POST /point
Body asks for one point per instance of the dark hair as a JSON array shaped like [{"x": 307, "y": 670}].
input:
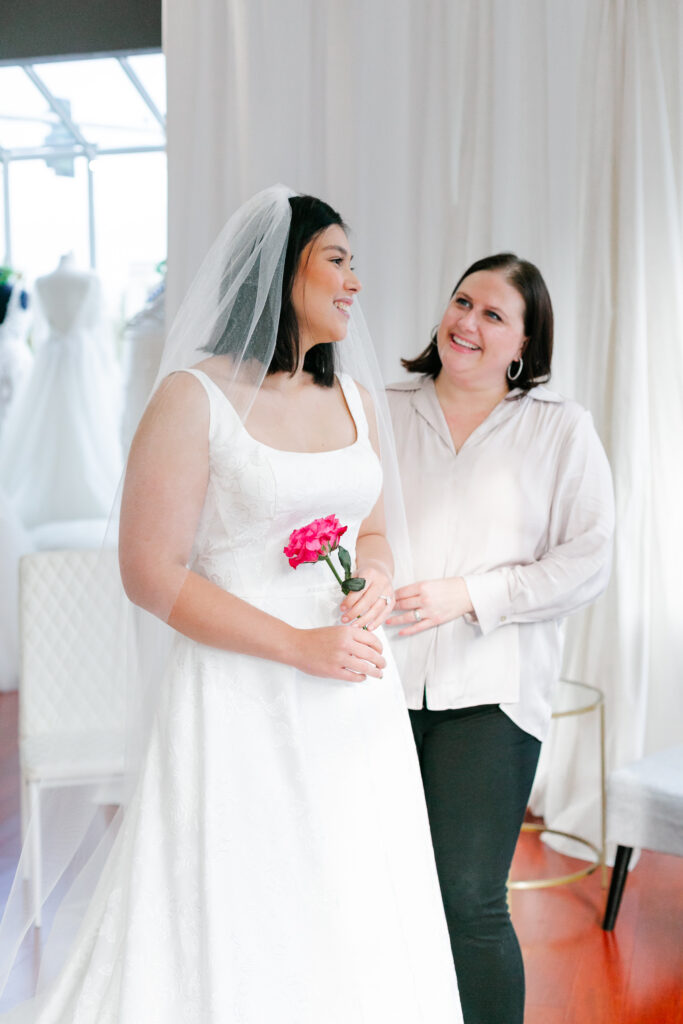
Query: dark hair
[
  {"x": 5, "y": 293},
  {"x": 538, "y": 321},
  {"x": 310, "y": 216}
]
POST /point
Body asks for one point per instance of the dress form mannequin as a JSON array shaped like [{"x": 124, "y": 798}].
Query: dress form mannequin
[
  {"x": 65, "y": 291},
  {"x": 60, "y": 455}
]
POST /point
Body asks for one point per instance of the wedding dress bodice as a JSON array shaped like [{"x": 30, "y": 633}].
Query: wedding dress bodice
[
  {"x": 257, "y": 495},
  {"x": 70, "y": 301}
]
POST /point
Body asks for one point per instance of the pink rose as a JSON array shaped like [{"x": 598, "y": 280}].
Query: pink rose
[
  {"x": 314, "y": 541},
  {"x": 329, "y": 531}
]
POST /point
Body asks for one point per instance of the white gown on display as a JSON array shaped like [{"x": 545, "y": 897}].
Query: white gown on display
[
  {"x": 15, "y": 355},
  {"x": 143, "y": 343},
  {"x": 275, "y": 863},
  {"x": 60, "y": 455}
]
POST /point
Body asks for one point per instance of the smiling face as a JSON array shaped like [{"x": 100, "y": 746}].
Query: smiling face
[
  {"x": 482, "y": 331},
  {"x": 324, "y": 288}
]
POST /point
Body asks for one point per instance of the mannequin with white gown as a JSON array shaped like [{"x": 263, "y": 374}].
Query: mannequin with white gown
[{"x": 60, "y": 455}]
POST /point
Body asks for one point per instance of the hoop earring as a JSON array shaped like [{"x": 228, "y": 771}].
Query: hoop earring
[{"x": 514, "y": 376}]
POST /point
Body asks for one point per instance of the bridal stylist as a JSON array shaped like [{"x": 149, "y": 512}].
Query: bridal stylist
[{"x": 510, "y": 514}]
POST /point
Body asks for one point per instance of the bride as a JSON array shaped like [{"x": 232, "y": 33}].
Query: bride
[{"x": 274, "y": 861}]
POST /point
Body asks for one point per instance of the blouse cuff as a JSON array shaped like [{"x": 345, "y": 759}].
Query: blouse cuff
[{"x": 490, "y": 599}]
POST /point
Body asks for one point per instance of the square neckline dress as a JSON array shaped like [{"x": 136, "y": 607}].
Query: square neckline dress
[{"x": 275, "y": 862}]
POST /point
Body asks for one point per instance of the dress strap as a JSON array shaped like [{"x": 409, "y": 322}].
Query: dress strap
[
  {"x": 218, "y": 400},
  {"x": 355, "y": 404},
  {"x": 209, "y": 385}
]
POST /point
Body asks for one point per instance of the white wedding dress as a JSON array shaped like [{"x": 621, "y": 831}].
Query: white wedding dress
[
  {"x": 60, "y": 454},
  {"x": 275, "y": 863}
]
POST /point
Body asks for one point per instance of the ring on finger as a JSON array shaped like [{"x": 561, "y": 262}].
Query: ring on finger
[
  {"x": 383, "y": 597},
  {"x": 417, "y": 614}
]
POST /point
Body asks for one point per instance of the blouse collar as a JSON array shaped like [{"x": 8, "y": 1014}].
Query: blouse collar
[{"x": 426, "y": 403}]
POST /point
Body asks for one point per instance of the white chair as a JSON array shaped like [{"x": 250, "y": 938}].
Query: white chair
[
  {"x": 644, "y": 809},
  {"x": 71, "y": 688}
]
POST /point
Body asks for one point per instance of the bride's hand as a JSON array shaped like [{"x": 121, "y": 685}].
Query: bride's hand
[
  {"x": 372, "y": 605},
  {"x": 339, "y": 652}
]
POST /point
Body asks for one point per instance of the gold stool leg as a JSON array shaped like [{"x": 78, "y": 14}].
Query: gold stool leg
[{"x": 595, "y": 702}]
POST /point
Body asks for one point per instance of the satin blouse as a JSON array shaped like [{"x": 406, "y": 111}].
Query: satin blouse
[{"x": 524, "y": 512}]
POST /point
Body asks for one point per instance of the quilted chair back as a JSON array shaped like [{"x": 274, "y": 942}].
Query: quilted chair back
[{"x": 72, "y": 689}]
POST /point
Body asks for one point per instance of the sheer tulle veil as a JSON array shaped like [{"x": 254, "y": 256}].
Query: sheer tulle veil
[{"x": 232, "y": 307}]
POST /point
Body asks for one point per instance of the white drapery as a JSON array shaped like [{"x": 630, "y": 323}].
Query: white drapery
[
  {"x": 447, "y": 130},
  {"x": 629, "y": 372},
  {"x": 345, "y": 101}
]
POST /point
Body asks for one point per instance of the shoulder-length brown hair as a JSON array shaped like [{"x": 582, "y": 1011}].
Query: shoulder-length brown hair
[{"x": 538, "y": 321}]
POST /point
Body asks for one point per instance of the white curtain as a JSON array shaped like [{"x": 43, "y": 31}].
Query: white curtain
[
  {"x": 447, "y": 130},
  {"x": 343, "y": 100},
  {"x": 629, "y": 372}
]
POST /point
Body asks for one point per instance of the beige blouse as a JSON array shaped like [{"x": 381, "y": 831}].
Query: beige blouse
[{"x": 524, "y": 511}]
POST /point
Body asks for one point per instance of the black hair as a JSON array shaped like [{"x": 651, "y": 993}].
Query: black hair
[
  {"x": 5, "y": 292},
  {"x": 538, "y": 321},
  {"x": 310, "y": 216}
]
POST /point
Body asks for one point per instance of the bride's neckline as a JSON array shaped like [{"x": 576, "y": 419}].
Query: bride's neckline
[{"x": 289, "y": 451}]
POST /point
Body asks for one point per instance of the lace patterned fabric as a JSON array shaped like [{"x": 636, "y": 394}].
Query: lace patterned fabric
[{"x": 275, "y": 863}]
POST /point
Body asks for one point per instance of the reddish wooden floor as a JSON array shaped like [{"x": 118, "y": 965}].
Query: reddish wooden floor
[{"x": 576, "y": 973}]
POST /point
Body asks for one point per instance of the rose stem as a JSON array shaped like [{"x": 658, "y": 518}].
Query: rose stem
[{"x": 339, "y": 580}]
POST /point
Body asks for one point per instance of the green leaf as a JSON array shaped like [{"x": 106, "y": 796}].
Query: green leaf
[
  {"x": 355, "y": 583},
  {"x": 345, "y": 559}
]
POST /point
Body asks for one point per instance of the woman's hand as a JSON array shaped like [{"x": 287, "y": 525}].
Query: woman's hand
[
  {"x": 372, "y": 605},
  {"x": 339, "y": 652},
  {"x": 428, "y": 603}
]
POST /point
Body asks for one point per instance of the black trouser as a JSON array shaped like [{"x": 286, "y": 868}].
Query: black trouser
[{"x": 477, "y": 769}]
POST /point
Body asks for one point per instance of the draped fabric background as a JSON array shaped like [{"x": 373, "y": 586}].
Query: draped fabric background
[
  {"x": 342, "y": 100},
  {"x": 447, "y": 130},
  {"x": 629, "y": 372}
]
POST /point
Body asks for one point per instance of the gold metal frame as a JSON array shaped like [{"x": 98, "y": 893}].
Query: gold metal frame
[{"x": 595, "y": 703}]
